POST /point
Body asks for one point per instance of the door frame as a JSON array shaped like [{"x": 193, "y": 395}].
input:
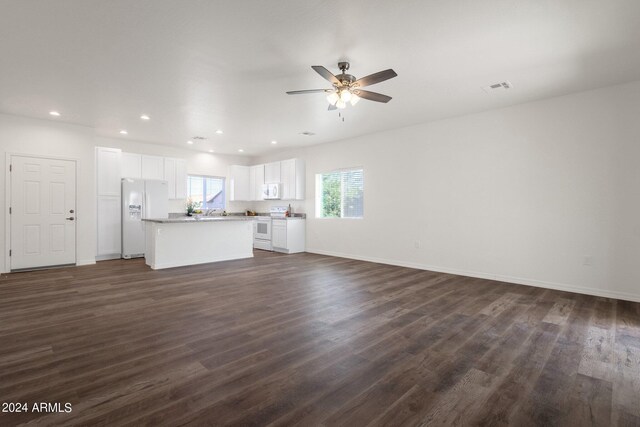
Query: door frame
[{"x": 7, "y": 201}]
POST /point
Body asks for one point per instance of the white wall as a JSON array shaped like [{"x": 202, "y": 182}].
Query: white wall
[
  {"x": 521, "y": 194},
  {"x": 25, "y": 136},
  {"x": 19, "y": 135}
]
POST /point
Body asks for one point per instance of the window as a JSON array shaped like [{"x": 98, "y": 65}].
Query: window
[
  {"x": 339, "y": 194},
  {"x": 207, "y": 191}
]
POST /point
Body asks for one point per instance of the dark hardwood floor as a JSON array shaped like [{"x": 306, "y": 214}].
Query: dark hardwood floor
[{"x": 311, "y": 340}]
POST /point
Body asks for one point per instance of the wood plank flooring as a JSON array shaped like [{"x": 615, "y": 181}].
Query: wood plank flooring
[{"x": 311, "y": 340}]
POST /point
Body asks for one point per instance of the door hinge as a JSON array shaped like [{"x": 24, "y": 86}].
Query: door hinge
[
  {"x": 9, "y": 252},
  {"x": 10, "y": 168},
  {"x": 9, "y": 210}
]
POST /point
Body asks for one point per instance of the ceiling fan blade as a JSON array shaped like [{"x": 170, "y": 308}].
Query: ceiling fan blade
[
  {"x": 372, "y": 96},
  {"x": 326, "y": 74},
  {"x": 300, "y": 92},
  {"x": 374, "y": 78},
  {"x": 332, "y": 107}
]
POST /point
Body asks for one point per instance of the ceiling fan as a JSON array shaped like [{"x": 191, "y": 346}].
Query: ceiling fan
[{"x": 346, "y": 88}]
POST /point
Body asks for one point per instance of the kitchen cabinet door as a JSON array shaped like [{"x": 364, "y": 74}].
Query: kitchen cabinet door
[
  {"x": 279, "y": 234},
  {"x": 292, "y": 174},
  {"x": 131, "y": 165},
  {"x": 300, "y": 179},
  {"x": 152, "y": 167},
  {"x": 109, "y": 234},
  {"x": 272, "y": 173},
  {"x": 170, "y": 176},
  {"x": 108, "y": 171},
  {"x": 252, "y": 183},
  {"x": 181, "y": 179},
  {"x": 256, "y": 181},
  {"x": 288, "y": 179},
  {"x": 239, "y": 183}
]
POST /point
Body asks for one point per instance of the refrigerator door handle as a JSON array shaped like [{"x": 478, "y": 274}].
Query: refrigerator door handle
[{"x": 144, "y": 204}]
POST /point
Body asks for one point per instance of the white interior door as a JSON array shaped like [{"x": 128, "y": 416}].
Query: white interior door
[{"x": 43, "y": 204}]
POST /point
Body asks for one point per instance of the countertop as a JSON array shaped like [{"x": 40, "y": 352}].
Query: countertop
[{"x": 192, "y": 219}]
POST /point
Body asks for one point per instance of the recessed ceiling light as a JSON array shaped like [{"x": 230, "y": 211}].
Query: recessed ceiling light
[
  {"x": 211, "y": 151},
  {"x": 240, "y": 150},
  {"x": 274, "y": 142},
  {"x": 189, "y": 142},
  {"x": 219, "y": 132},
  {"x": 54, "y": 113},
  {"x": 123, "y": 132},
  {"x": 145, "y": 117}
]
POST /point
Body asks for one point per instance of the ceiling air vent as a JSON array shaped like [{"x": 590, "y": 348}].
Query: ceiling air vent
[
  {"x": 307, "y": 133},
  {"x": 199, "y": 138},
  {"x": 498, "y": 87}
]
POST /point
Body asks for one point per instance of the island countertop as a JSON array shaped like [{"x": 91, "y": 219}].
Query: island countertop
[{"x": 194, "y": 219}]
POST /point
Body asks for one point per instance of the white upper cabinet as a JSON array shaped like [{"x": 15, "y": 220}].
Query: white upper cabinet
[
  {"x": 292, "y": 178},
  {"x": 181, "y": 179},
  {"x": 175, "y": 173},
  {"x": 131, "y": 165},
  {"x": 239, "y": 183},
  {"x": 152, "y": 167},
  {"x": 246, "y": 182},
  {"x": 170, "y": 176},
  {"x": 256, "y": 181},
  {"x": 272, "y": 173},
  {"x": 108, "y": 171}
]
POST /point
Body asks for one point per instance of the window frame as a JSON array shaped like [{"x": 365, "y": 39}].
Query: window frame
[
  {"x": 204, "y": 190},
  {"x": 318, "y": 195}
]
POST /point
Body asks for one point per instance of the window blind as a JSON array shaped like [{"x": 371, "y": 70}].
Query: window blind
[{"x": 340, "y": 194}]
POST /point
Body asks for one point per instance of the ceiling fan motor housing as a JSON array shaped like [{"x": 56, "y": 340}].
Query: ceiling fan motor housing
[
  {"x": 343, "y": 66},
  {"x": 345, "y": 79}
]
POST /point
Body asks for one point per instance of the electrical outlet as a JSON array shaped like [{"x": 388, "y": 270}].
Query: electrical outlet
[{"x": 587, "y": 260}]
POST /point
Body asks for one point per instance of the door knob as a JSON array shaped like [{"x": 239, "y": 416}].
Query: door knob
[
  {"x": 71, "y": 211},
  {"x": 70, "y": 218}
]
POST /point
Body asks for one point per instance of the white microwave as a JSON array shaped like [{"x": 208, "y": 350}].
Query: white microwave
[{"x": 271, "y": 191}]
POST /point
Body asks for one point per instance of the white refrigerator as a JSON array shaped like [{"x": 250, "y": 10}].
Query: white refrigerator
[{"x": 141, "y": 198}]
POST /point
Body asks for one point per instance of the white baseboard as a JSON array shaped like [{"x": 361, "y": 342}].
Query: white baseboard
[
  {"x": 509, "y": 279},
  {"x": 108, "y": 257},
  {"x": 89, "y": 261}
]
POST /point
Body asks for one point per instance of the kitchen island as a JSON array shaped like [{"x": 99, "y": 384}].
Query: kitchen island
[{"x": 175, "y": 242}]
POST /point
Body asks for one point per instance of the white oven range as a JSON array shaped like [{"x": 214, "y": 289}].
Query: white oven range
[{"x": 262, "y": 233}]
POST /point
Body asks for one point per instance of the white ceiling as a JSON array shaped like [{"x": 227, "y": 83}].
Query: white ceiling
[{"x": 198, "y": 66}]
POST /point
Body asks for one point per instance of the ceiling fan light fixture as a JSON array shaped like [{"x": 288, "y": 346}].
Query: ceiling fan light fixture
[
  {"x": 341, "y": 104},
  {"x": 354, "y": 99},
  {"x": 345, "y": 95},
  {"x": 332, "y": 98}
]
